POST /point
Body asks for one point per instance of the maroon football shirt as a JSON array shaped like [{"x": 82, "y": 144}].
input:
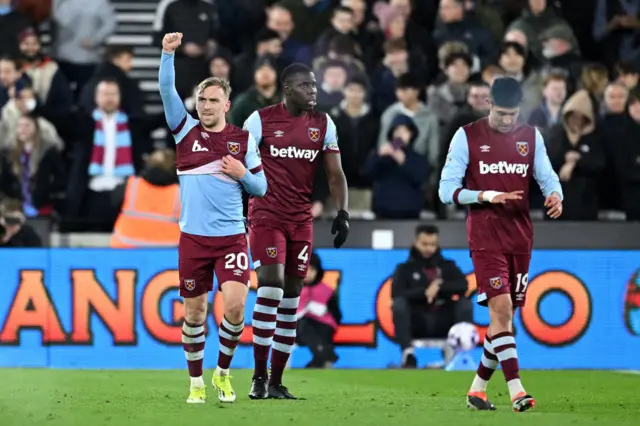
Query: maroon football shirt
[
  {"x": 500, "y": 162},
  {"x": 290, "y": 148}
]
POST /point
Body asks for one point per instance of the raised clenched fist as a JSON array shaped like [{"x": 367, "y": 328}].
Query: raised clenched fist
[{"x": 171, "y": 41}]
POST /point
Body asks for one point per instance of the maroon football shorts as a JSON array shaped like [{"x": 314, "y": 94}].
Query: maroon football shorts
[
  {"x": 199, "y": 257},
  {"x": 278, "y": 243},
  {"x": 498, "y": 273}
]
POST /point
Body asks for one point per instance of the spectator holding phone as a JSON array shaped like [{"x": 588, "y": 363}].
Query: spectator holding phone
[{"x": 398, "y": 173}]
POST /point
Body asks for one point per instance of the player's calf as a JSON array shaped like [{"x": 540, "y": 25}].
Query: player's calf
[
  {"x": 193, "y": 341},
  {"x": 504, "y": 343},
  {"x": 230, "y": 329}
]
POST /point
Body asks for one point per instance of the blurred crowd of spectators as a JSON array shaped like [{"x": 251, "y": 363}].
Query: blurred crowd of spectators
[{"x": 398, "y": 78}]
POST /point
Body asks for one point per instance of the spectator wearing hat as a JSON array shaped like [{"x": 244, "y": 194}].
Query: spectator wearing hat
[
  {"x": 47, "y": 80},
  {"x": 12, "y": 23},
  {"x": 560, "y": 51},
  {"x": 535, "y": 19},
  {"x": 263, "y": 93},
  {"x": 408, "y": 103},
  {"x": 357, "y": 132},
  {"x": 267, "y": 43},
  {"x": 398, "y": 172},
  {"x": 446, "y": 99}
]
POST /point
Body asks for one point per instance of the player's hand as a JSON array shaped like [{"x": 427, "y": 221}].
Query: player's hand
[
  {"x": 572, "y": 156},
  {"x": 500, "y": 198},
  {"x": 385, "y": 150},
  {"x": 566, "y": 171},
  {"x": 233, "y": 168},
  {"x": 171, "y": 41},
  {"x": 432, "y": 291},
  {"x": 554, "y": 204},
  {"x": 193, "y": 50},
  {"x": 340, "y": 226},
  {"x": 400, "y": 156}
]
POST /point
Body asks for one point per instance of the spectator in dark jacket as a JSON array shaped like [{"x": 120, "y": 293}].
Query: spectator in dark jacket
[
  {"x": 627, "y": 159},
  {"x": 454, "y": 25},
  {"x": 357, "y": 131},
  {"x": 267, "y": 43},
  {"x": 12, "y": 23},
  {"x": 554, "y": 93},
  {"x": 576, "y": 154},
  {"x": 341, "y": 23},
  {"x": 117, "y": 65},
  {"x": 14, "y": 232},
  {"x": 398, "y": 173},
  {"x": 48, "y": 81},
  {"x": 428, "y": 293},
  {"x": 263, "y": 93}
]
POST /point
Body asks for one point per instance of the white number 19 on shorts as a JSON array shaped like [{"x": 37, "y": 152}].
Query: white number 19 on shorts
[{"x": 523, "y": 282}]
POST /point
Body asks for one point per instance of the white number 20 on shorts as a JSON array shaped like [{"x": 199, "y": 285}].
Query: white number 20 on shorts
[{"x": 241, "y": 261}]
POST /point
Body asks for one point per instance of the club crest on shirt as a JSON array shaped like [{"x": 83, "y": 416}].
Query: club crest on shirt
[
  {"x": 495, "y": 282},
  {"x": 272, "y": 252},
  {"x": 523, "y": 148},
  {"x": 314, "y": 134},
  {"x": 233, "y": 147},
  {"x": 190, "y": 284}
]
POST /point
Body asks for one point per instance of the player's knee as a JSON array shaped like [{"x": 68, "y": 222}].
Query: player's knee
[
  {"x": 501, "y": 311},
  {"x": 271, "y": 276},
  {"x": 234, "y": 310},
  {"x": 195, "y": 310}
]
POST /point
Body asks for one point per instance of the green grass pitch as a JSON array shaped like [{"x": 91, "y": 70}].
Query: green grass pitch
[{"x": 332, "y": 397}]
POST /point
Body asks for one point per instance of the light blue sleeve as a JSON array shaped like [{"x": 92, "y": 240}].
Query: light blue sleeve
[
  {"x": 330, "y": 142},
  {"x": 252, "y": 159},
  {"x": 179, "y": 121},
  {"x": 253, "y": 125},
  {"x": 455, "y": 167},
  {"x": 543, "y": 171},
  {"x": 254, "y": 183}
]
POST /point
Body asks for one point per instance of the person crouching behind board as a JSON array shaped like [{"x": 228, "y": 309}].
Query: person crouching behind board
[{"x": 318, "y": 316}]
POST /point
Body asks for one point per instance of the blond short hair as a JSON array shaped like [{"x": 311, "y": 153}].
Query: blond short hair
[{"x": 215, "y": 82}]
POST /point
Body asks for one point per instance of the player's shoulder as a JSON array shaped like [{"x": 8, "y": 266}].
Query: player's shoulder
[
  {"x": 270, "y": 112},
  {"x": 237, "y": 132},
  {"x": 319, "y": 117},
  {"x": 474, "y": 125}
]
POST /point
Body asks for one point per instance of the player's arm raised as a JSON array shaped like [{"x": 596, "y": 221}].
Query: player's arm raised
[
  {"x": 455, "y": 167},
  {"x": 547, "y": 179},
  {"x": 174, "y": 109},
  {"x": 337, "y": 183}
]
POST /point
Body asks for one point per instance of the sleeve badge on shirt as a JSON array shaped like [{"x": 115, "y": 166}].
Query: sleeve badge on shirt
[
  {"x": 233, "y": 147},
  {"x": 272, "y": 252},
  {"x": 314, "y": 134},
  {"x": 495, "y": 282},
  {"x": 523, "y": 148}
]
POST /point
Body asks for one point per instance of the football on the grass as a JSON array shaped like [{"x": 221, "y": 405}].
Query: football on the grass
[{"x": 463, "y": 336}]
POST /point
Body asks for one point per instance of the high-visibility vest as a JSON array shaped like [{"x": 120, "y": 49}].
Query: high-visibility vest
[{"x": 149, "y": 216}]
